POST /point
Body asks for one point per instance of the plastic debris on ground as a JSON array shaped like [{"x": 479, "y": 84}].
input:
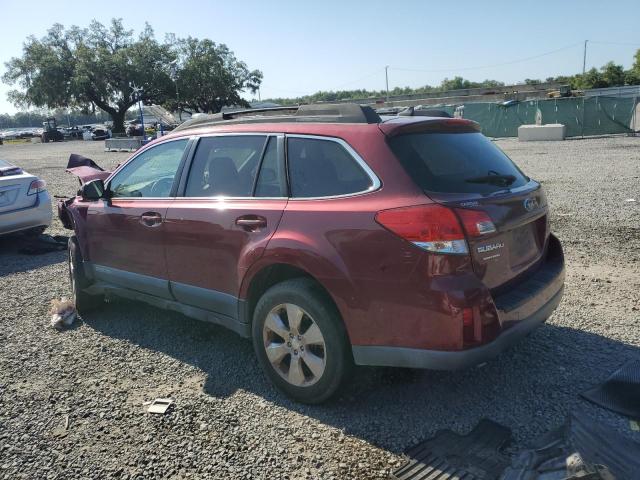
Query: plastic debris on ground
[
  {"x": 160, "y": 405},
  {"x": 63, "y": 313}
]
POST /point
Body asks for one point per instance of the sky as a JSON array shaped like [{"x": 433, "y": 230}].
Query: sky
[{"x": 302, "y": 47}]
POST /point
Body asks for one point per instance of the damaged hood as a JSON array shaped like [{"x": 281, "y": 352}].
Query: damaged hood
[{"x": 85, "y": 169}]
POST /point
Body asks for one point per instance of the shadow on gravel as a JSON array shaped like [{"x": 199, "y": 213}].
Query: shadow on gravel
[
  {"x": 529, "y": 388},
  {"x": 11, "y": 261}
]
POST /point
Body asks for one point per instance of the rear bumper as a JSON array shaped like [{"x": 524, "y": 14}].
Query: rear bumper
[
  {"x": 520, "y": 310},
  {"x": 442, "y": 360},
  {"x": 25, "y": 218}
]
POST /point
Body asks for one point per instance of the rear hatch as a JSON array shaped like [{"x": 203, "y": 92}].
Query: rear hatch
[
  {"x": 504, "y": 213},
  {"x": 14, "y": 186}
]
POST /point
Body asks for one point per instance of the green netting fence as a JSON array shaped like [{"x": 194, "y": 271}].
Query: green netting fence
[{"x": 581, "y": 115}]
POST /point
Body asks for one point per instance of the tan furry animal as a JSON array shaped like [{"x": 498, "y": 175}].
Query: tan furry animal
[{"x": 63, "y": 313}]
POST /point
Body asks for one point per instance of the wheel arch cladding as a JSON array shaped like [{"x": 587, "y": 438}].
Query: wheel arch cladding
[{"x": 266, "y": 276}]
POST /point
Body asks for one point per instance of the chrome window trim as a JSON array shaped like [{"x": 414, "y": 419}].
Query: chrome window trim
[
  {"x": 229, "y": 134},
  {"x": 375, "y": 181},
  {"x": 107, "y": 182}
]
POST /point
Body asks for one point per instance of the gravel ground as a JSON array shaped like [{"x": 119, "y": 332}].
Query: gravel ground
[{"x": 228, "y": 422}]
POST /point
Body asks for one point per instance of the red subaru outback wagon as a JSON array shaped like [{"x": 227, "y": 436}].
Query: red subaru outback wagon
[{"x": 328, "y": 234}]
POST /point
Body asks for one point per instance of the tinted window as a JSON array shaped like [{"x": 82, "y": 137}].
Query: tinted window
[
  {"x": 150, "y": 174},
  {"x": 321, "y": 168},
  {"x": 271, "y": 181},
  {"x": 225, "y": 166},
  {"x": 455, "y": 162}
]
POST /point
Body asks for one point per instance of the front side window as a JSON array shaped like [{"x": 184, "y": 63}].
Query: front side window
[
  {"x": 225, "y": 166},
  {"x": 150, "y": 174},
  {"x": 323, "y": 168}
]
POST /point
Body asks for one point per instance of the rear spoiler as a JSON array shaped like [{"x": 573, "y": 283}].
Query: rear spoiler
[
  {"x": 85, "y": 169},
  {"x": 9, "y": 171},
  {"x": 407, "y": 125}
]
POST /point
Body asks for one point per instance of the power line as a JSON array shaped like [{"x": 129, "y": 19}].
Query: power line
[
  {"x": 616, "y": 43},
  {"x": 567, "y": 47}
]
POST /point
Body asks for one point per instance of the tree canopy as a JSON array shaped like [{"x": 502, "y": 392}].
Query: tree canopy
[
  {"x": 96, "y": 66},
  {"x": 109, "y": 68},
  {"x": 209, "y": 76}
]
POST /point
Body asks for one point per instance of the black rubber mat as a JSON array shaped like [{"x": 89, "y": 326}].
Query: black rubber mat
[
  {"x": 620, "y": 392},
  {"x": 475, "y": 456}
]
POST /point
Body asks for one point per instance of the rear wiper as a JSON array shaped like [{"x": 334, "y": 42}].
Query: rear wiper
[{"x": 499, "y": 180}]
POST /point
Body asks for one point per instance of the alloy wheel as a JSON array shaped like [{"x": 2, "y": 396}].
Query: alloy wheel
[{"x": 294, "y": 345}]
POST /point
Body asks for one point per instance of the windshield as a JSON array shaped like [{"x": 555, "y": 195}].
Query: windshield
[{"x": 456, "y": 163}]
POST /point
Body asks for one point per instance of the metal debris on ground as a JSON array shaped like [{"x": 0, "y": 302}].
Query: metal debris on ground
[
  {"x": 620, "y": 392},
  {"x": 63, "y": 313},
  {"x": 447, "y": 455},
  {"x": 160, "y": 405}
]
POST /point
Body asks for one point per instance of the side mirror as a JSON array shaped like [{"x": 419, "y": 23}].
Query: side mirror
[{"x": 93, "y": 190}]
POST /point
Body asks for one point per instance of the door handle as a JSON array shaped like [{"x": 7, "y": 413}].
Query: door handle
[
  {"x": 251, "y": 222},
  {"x": 151, "y": 219}
]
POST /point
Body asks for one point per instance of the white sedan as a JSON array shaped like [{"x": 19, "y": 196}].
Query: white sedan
[{"x": 25, "y": 204}]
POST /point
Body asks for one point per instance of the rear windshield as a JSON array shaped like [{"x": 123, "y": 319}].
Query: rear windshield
[{"x": 456, "y": 163}]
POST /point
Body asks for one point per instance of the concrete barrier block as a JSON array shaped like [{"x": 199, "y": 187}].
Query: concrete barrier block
[
  {"x": 532, "y": 133},
  {"x": 122, "y": 144}
]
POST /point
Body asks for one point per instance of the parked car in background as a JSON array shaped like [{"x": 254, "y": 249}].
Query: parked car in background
[
  {"x": 25, "y": 204},
  {"x": 329, "y": 235},
  {"x": 99, "y": 132}
]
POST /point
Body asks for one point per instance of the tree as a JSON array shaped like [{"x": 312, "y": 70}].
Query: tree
[
  {"x": 92, "y": 67},
  {"x": 613, "y": 75},
  {"x": 209, "y": 76}
]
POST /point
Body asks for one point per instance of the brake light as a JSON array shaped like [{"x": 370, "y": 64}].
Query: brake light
[
  {"x": 37, "y": 186},
  {"x": 476, "y": 222},
  {"x": 431, "y": 227}
]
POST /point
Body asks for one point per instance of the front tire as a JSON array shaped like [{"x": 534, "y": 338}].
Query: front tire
[
  {"x": 79, "y": 281},
  {"x": 301, "y": 342}
]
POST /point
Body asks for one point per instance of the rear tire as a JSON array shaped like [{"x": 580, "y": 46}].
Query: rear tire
[
  {"x": 308, "y": 357},
  {"x": 79, "y": 281}
]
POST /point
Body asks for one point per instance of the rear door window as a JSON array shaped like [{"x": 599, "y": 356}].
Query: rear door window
[
  {"x": 323, "y": 168},
  {"x": 225, "y": 166},
  {"x": 456, "y": 163}
]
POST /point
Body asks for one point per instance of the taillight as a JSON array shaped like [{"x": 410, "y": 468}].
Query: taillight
[
  {"x": 37, "y": 186},
  {"x": 476, "y": 223},
  {"x": 431, "y": 227}
]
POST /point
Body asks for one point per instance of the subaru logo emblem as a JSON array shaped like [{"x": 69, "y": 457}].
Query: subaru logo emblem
[{"x": 530, "y": 204}]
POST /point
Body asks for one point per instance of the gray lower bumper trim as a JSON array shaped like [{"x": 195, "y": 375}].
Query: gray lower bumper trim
[{"x": 448, "y": 360}]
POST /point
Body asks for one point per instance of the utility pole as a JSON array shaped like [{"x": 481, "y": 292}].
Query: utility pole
[
  {"x": 386, "y": 76},
  {"x": 584, "y": 58}
]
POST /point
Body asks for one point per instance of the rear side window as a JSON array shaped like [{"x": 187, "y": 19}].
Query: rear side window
[
  {"x": 323, "y": 168},
  {"x": 225, "y": 166},
  {"x": 456, "y": 163}
]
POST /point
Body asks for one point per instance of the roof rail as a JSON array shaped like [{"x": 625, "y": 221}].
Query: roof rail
[{"x": 325, "y": 113}]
